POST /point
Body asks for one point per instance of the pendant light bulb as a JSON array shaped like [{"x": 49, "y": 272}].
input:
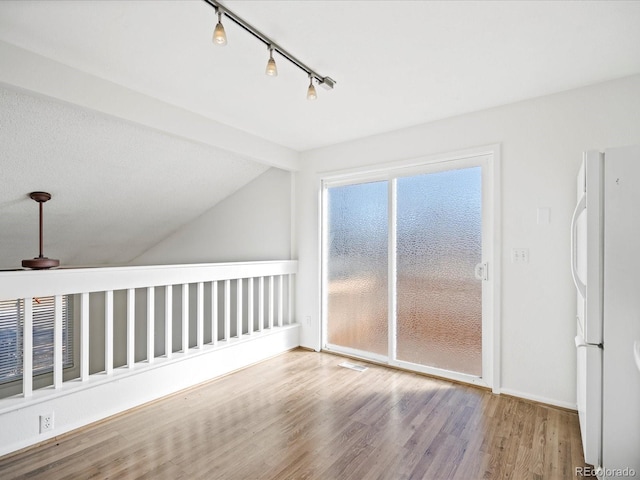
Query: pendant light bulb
[
  {"x": 311, "y": 91},
  {"x": 219, "y": 36},
  {"x": 272, "y": 69}
]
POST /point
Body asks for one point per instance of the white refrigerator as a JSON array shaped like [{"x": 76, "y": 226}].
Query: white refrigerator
[{"x": 605, "y": 265}]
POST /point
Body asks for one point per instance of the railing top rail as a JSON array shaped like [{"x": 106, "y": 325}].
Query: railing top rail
[{"x": 65, "y": 281}]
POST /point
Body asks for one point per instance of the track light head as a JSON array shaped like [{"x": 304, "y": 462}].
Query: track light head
[
  {"x": 219, "y": 35},
  {"x": 272, "y": 68},
  {"x": 311, "y": 91}
]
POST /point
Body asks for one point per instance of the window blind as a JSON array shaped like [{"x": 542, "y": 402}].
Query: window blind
[{"x": 11, "y": 336}]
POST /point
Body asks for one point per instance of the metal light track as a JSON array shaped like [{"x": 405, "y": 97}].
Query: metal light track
[{"x": 325, "y": 81}]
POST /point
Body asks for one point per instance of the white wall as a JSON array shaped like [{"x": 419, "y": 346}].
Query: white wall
[
  {"x": 542, "y": 141},
  {"x": 252, "y": 224}
]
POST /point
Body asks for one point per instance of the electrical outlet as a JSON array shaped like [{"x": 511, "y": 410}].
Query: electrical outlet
[
  {"x": 308, "y": 319},
  {"x": 520, "y": 255},
  {"x": 46, "y": 422}
]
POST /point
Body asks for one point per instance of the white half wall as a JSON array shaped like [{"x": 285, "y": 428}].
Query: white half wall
[
  {"x": 78, "y": 406},
  {"x": 542, "y": 141},
  {"x": 252, "y": 224}
]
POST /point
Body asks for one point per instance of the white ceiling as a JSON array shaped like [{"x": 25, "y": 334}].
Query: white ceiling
[{"x": 397, "y": 63}]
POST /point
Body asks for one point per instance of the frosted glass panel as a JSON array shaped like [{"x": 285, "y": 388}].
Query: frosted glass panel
[
  {"x": 439, "y": 320},
  {"x": 357, "y": 267}
]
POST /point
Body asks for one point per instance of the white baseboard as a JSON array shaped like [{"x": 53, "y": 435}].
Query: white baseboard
[
  {"x": 19, "y": 427},
  {"x": 539, "y": 399}
]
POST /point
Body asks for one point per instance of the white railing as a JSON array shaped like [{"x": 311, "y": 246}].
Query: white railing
[{"x": 220, "y": 305}]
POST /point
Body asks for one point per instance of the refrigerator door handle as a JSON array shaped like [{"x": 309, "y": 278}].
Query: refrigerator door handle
[
  {"x": 582, "y": 288},
  {"x": 581, "y": 343}
]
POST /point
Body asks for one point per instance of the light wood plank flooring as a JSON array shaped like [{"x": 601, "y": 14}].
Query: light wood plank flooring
[{"x": 301, "y": 416}]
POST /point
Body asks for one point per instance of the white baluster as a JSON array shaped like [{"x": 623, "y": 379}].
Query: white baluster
[
  {"x": 200, "y": 315},
  {"x": 27, "y": 342},
  {"x": 250, "y": 305},
  {"x": 57, "y": 342},
  {"x": 271, "y": 301},
  {"x": 185, "y": 317},
  {"x": 227, "y": 310},
  {"x": 84, "y": 333},
  {"x": 280, "y": 299},
  {"x": 168, "y": 321},
  {"x": 214, "y": 313},
  {"x": 290, "y": 301},
  {"x": 239, "y": 307},
  {"x": 131, "y": 327},
  {"x": 108, "y": 332},
  {"x": 261, "y": 304},
  {"x": 151, "y": 327}
]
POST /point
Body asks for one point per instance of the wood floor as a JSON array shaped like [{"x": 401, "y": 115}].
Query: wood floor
[{"x": 301, "y": 416}]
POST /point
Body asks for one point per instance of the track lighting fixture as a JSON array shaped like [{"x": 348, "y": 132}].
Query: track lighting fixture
[
  {"x": 272, "y": 69},
  {"x": 311, "y": 91},
  {"x": 220, "y": 38},
  {"x": 219, "y": 35}
]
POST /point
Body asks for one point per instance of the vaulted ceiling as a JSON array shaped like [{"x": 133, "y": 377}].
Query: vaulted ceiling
[
  {"x": 396, "y": 64},
  {"x": 118, "y": 188}
]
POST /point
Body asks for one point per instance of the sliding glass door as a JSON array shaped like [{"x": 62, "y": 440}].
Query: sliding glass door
[
  {"x": 403, "y": 267},
  {"x": 357, "y": 287},
  {"x": 439, "y": 244}
]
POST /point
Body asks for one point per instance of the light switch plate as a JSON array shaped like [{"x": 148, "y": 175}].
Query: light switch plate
[{"x": 544, "y": 215}]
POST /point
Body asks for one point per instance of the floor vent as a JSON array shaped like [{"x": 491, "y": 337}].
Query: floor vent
[{"x": 353, "y": 366}]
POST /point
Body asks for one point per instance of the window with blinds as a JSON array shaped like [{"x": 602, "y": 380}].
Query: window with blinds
[{"x": 11, "y": 336}]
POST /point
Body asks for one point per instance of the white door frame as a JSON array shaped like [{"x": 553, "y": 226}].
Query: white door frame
[{"x": 491, "y": 246}]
